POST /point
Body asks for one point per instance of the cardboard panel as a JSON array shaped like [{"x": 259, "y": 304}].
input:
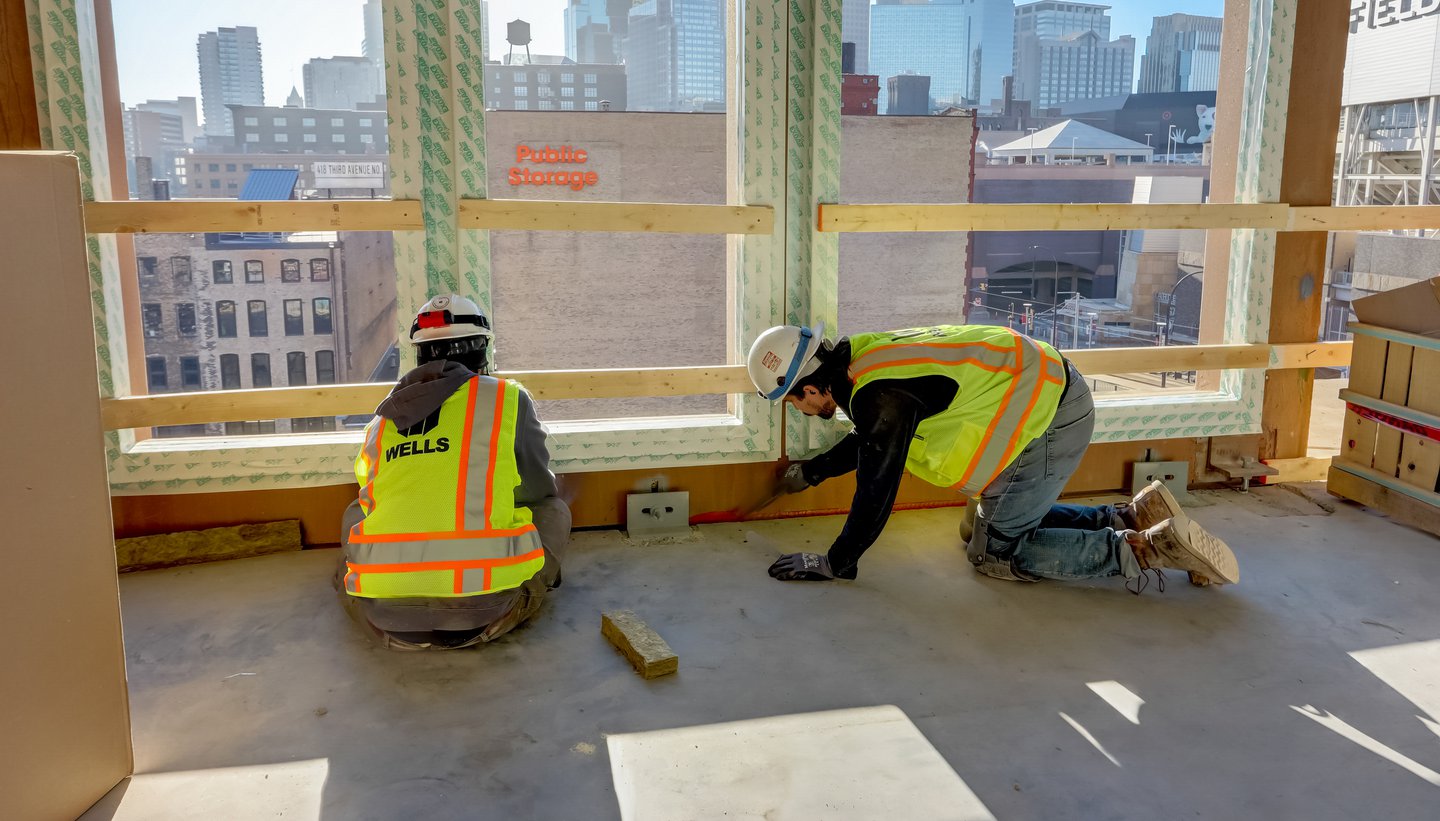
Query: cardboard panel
[
  {"x": 1414, "y": 308},
  {"x": 1395, "y": 389},
  {"x": 65, "y": 722}
]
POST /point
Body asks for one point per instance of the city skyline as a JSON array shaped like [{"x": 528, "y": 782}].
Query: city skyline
[{"x": 293, "y": 33}]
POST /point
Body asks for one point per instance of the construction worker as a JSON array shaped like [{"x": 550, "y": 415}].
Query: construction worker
[
  {"x": 454, "y": 538},
  {"x": 991, "y": 413}
]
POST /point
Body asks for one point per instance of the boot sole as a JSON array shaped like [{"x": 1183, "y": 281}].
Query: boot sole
[{"x": 1217, "y": 561}]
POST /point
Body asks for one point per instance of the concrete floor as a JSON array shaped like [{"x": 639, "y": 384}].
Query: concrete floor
[{"x": 253, "y": 694}]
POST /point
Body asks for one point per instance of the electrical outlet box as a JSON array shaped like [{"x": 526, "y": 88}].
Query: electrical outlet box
[
  {"x": 651, "y": 515},
  {"x": 1175, "y": 475}
]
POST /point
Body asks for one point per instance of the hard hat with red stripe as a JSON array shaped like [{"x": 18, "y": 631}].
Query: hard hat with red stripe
[{"x": 449, "y": 316}]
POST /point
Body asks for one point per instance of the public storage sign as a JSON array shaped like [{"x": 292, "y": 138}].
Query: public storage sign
[{"x": 551, "y": 165}]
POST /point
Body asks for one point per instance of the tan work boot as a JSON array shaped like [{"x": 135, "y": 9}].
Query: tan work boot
[
  {"x": 1152, "y": 506},
  {"x": 1182, "y": 544}
]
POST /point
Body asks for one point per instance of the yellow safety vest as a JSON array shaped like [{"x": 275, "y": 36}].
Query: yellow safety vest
[
  {"x": 1008, "y": 386},
  {"x": 439, "y": 500}
]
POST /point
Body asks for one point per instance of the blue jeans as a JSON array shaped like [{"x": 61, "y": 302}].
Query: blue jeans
[{"x": 1018, "y": 520}]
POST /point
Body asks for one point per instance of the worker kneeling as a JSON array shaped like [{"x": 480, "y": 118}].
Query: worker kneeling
[
  {"x": 991, "y": 413},
  {"x": 450, "y": 543}
]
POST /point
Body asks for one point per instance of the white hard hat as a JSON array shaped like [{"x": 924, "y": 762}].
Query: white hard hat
[
  {"x": 783, "y": 356},
  {"x": 449, "y": 316}
]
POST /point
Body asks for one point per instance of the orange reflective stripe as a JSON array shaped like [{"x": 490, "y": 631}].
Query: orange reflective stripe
[
  {"x": 432, "y": 537},
  {"x": 999, "y": 414},
  {"x": 929, "y": 361},
  {"x": 468, "y": 564},
  {"x": 465, "y": 456},
  {"x": 495, "y": 427},
  {"x": 1024, "y": 418},
  {"x": 459, "y": 587}
]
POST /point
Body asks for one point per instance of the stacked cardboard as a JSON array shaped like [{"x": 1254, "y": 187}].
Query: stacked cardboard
[{"x": 1390, "y": 449}]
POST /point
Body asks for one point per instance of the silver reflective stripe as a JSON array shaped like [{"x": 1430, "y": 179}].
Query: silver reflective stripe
[
  {"x": 953, "y": 353},
  {"x": 420, "y": 553},
  {"x": 370, "y": 450},
  {"x": 483, "y": 421}
]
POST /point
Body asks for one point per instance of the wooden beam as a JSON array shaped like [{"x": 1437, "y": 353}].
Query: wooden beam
[
  {"x": 611, "y": 217},
  {"x": 1310, "y": 355},
  {"x": 198, "y": 216},
  {"x": 183, "y": 216},
  {"x": 1300, "y": 469},
  {"x": 336, "y": 400},
  {"x": 1049, "y": 217},
  {"x": 1389, "y": 495},
  {"x": 1173, "y": 358},
  {"x": 1363, "y": 217},
  {"x": 19, "y": 119},
  {"x": 1306, "y": 179}
]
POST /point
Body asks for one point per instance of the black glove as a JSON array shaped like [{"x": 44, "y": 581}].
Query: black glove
[
  {"x": 793, "y": 479},
  {"x": 802, "y": 567}
]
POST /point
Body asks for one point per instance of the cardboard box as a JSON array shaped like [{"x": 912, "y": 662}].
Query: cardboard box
[
  {"x": 1414, "y": 308},
  {"x": 64, "y": 711}
]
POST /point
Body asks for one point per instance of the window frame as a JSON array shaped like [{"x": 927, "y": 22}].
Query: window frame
[
  {"x": 263, "y": 316},
  {"x": 226, "y": 319},
  {"x": 804, "y": 293},
  {"x": 297, "y": 328}
]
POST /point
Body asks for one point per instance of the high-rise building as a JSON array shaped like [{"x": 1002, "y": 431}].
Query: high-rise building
[
  {"x": 552, "y": 83},
  {"x": 373, "y": 46},
  {"x": 342, "y": 82},
  {"x": 1063, "y": 52},
  {"x": 855, "y": 28},
  {"x": 230, "y": 74},
  {"x": 158, "y": 136},
  {"x": 908, "y": 94},
  {"x": 675, "y": 55},
  {"x": 1182, "y": 53},
  {"x": 590, "y": 30},
  {"x": 963, "y": 46},
  {"x": 183, "y": 107}
]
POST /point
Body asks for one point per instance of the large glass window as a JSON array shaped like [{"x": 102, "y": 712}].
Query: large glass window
[
  {"x": 289, "y": 270},
  {"x": 319, "y": 270},
  {"x": 229, "y": 371},
  {"x": 153, "y": 318},
  {"x": 155, "y": 373},
  {"x": 322, "y": 322},
  {"x": 254, "y": 271},
  {"x": 294, "y": 317},
  {"x": 225, "y": 319},
  {"x": 222, "y": 272},
  {"x": 185, "y": 318},
  {"x": 295, "y": 366},
  {"x": 260, "y": 370},
  {"x": 190, "y": 373},
  {"x": 324, "y": 367},
  {"x": 259, "y": 319}
]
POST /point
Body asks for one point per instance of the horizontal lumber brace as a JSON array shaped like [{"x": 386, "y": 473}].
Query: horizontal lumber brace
[
  {"x": 1049, "y": 217},
  {"x": 612, "y": 217},
  {"x": 336, "y": 400},
  {"x": 1174, "y": 358},
  {"x": 1310, "y": 355},
  {"x": 1299, "y": 469},
  {"x": 199, "y": 216},
  {"x": 1363, "y": 217}
]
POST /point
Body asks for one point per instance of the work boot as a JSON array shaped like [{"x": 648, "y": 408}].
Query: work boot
[
  {"x": 1152, "y": 506},
  {"x": 1182, "y": 544}
]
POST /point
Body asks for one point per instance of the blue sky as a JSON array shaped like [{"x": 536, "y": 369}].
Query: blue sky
[{"x": 155, "y": 39}]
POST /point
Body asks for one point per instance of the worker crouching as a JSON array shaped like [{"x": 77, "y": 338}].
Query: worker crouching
[
  {"x": 454, "y": 538},
  {"x": 991, "y": 413}
]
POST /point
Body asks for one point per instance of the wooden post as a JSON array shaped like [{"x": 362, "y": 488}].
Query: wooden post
[
  {"x": 1225, "y": 145},
  {"x": 19, "y": 120},
  {"x": 1316, "y": 77}
]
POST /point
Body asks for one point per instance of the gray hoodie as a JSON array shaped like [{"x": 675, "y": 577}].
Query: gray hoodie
[{"x": 423, "y": 390}]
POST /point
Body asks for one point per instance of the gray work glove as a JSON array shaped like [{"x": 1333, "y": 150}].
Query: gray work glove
[
  {"x": 793, "y": 479},
  {"x": 802, "y": 567}
]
